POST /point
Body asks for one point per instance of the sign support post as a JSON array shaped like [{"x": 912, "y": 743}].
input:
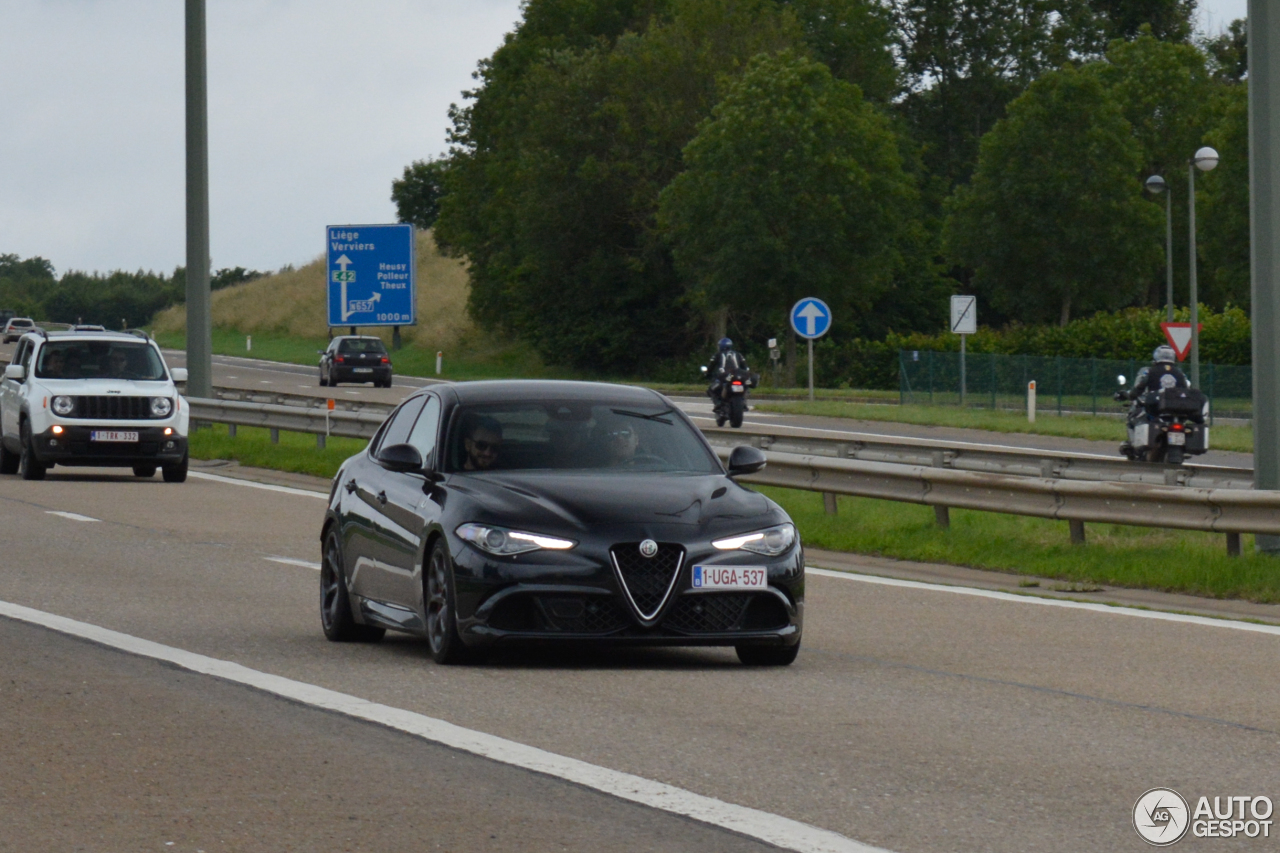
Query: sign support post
[
  {"x": 199, "y": 320},
  {"x": 1264, "y": 232},
  {"x": 964, "y": 322},
  {"x": 810, "y": 319}
]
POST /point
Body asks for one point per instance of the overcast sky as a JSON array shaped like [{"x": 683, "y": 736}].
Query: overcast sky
[{"x": 314, "y": 108}]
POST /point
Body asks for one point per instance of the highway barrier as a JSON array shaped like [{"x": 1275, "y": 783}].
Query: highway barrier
[{"x": 1020, "y": 482}]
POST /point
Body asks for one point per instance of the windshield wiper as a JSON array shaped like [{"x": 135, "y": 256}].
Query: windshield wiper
[{"x": 658, "y": 416}]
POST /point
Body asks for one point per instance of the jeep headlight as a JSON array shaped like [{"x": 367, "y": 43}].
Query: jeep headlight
[
  {"x": 161, "y": 407},
  {"x": 504, "y": 543},
  {"x": 771, "y": 541},
  {"x": 63, "y": 406}
]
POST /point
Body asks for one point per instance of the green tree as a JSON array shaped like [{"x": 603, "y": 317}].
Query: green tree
[
  {"x": 417, "y": 193},
  {"x": 1168, "y": 20},
  {"x": 853, "y": 38},
  {"x": 793, "y": 188},
  {"x": 1224, "y": 214},
  {"x": 1229, "y": 52},
  {"x": 1054, "y": 220}
]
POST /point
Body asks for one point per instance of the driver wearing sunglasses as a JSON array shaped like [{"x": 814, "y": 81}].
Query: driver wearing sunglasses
[{"x": 482, "y": 442}]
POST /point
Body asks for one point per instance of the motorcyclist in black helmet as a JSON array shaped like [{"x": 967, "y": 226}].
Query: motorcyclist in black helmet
[
  {"x": 724, "y": 362},
  {"x": 1163, "y": 372}
]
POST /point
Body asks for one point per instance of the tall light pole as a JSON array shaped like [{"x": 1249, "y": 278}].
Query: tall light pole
[
  {"x": 1206, "y": 160},
  {"x": 199, "y": 325},
  {"x": 1155, "y": 186},
  {"x": 1264, "y": 238}
]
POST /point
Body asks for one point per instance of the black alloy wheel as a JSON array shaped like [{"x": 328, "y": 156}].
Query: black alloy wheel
[
  {"x": 442, "y": 618},
  {"x": 767, "y": 655},
  {"x": 144, "y": 471},
  {"x": 28, "y": 466},
  {"x": 737, "y": 407},
  {"x": 8, "y": 461},
  {"x": 335, "y": 605}
]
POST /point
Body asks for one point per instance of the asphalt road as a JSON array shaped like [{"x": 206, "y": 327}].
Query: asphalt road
[{"x": 916, "y": 718}]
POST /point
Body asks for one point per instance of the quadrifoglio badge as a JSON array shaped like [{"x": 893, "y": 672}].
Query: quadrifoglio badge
[{"x": 1162, "y": 817}]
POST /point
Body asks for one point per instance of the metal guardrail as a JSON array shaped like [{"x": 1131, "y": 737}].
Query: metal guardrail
[{"x": 1221, "y": 510}]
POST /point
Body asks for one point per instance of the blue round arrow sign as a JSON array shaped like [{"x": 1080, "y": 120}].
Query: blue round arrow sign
[{"x": 810, "y": 318}]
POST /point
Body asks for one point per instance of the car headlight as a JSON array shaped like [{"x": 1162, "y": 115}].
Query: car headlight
[
  {"x": 504, "y": 543},
  {"x": 771, "y": 542},
  {"x": 161, "y": 407},
  {"x": 63, "y": 406}
]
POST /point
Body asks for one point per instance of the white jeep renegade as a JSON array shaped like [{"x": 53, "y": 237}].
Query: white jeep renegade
[{"x": 92, "y": 398}]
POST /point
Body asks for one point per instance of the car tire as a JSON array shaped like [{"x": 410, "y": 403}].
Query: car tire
[
  {"x": 177, "y": 472},
  {"x": 28, "y": 466},
  {"x": 324, "y": 383},
  {"x": 144, "y": 471},
  {"x": 8, "y": 460},
  {"x": 767, "y": 655},
  {"x": 336, "y": 621},
  {"x": 737, "y": 406},
  {"x": 387, "y": 384},
  {"x": 439, "y": 597}
]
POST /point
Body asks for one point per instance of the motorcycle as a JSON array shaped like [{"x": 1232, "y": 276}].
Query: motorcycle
[
  {"x": 730, "y": 399},
  {"x": 1166, "y": 425}
]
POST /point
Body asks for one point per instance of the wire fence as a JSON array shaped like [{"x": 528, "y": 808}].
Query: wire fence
[{"x": 1064, "y": 385}]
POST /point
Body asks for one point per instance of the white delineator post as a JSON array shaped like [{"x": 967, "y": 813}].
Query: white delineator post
[
  {"x": 1031, "y": 401},
  {"x": 439, "y": 363},
  {"x": 248, "y": 343}
]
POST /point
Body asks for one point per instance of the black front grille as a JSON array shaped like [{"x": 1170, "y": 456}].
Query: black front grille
[
  {"x": 647, "y": 579},
  {"x": 112, "y": 408},
  {"x": 579, "y": 614},
  {"x": 709, "y": 612}
]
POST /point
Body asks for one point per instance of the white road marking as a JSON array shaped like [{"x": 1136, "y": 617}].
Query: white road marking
[
  {"x": 1118, "y": 610},
  {"x": 252, "y": 485},
  {"x": 74, "y": 516},
  {"x": 290, "y": 561},
  {"x": 773, "y": 829},
  {"x": 233, "y": 377}
]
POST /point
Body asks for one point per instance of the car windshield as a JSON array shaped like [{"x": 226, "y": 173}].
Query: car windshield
[
  {"x": 577, "y": 436},
  {"x": 99, "y": 360},
  {"x": 361, "y": 345}
]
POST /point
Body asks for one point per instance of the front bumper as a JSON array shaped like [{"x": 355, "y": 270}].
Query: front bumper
[
  {"x": 74, "y": 447},
  {"x": 581, "y": 599}
]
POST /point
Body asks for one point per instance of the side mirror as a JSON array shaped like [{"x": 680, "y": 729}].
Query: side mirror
[
  {"x": 1120, "y": 379},
  {"x": 746, "y": 459},
  {"x": 179, "y": 374},
  {"x": 16, "y": 372},
  {"x": 401, "y": 457}
]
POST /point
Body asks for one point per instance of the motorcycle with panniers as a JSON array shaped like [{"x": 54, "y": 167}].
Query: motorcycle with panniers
[
  {"x": 1166, "y": 425},
  {"x": 729, "y": 400}
]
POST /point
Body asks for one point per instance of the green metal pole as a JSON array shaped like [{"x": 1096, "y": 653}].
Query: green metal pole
[
  {"x": 1168, "y": 254},
  {"x": 1264, "y": 234},
  {"x": 199, "y": 326}
]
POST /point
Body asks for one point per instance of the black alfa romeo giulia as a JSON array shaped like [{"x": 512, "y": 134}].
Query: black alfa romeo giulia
[{"x": 519, "y": 511}]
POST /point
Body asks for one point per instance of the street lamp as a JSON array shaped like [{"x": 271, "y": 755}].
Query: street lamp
[
  {"x": 1155, "y": 186},
  {"x": 1206, "y": 159}
]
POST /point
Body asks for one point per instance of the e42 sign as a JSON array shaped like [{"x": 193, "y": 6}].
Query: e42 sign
[{"x": 371, "y": 275}]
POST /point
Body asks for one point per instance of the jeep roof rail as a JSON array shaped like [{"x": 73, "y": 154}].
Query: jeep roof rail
[{"x": 138, "y": 333}]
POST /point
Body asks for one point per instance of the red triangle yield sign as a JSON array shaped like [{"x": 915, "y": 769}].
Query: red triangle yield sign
[{"x": 1179, "y": 337}]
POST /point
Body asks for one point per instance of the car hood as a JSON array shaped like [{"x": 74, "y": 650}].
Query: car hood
[{"x": 584, "y": 501}]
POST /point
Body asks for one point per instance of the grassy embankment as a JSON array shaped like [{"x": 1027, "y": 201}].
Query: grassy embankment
[
  {"x": 1094, "y": 427},
  {"x": 1171, "y": 560}
]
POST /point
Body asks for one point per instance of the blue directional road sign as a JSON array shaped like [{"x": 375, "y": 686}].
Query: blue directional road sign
[
  {"x": 810, "y": 318},
  {"x": 371, "y": 275}
]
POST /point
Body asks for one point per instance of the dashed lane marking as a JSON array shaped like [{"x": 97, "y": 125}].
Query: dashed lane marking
[
  {"x": 74, "y": 516},
  {"x": 773, "y": 829}
]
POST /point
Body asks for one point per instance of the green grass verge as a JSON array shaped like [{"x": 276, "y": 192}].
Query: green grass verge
[
  {"x": 1094, "y": 427},
  {"x": 1116, "y": 555},
  {"x": 1169, "y": 560},
  {"x": 296, "y": 452}
]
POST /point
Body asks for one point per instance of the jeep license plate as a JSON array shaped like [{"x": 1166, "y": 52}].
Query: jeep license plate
[
  {"x": 112, "y": 435},
  {"x": 730, "y": 577}
]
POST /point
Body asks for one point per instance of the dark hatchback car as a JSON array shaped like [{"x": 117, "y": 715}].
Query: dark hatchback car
[
  {"x": 489, "y": 513},
  {"x": 355, "y": 358}
]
